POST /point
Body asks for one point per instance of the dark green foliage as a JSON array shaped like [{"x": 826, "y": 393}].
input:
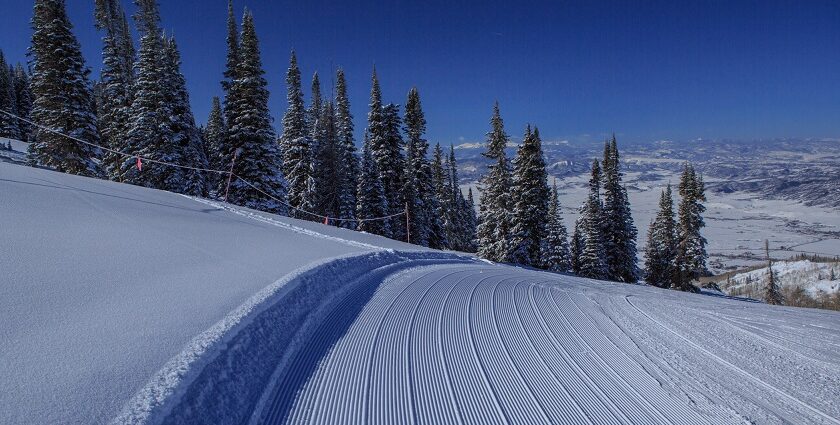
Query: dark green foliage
[
  {"x": 62, "y": 98},
  {"x": 530, "y": 201},
  {"x": 495, "y": 203}
]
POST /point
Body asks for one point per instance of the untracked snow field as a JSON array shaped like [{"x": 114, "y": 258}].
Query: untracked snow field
[{"x": 121, "y": 304}]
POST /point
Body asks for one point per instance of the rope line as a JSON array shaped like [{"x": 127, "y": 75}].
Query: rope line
[{"x": 209, "y": 170}]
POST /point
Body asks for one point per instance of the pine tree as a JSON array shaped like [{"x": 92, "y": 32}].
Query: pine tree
[
  {"x": 9, "y": 126},
  {"x": 24, "y": 100},
  {"x": 417, "y": 191},
  {"x": 148, "y": 133},
  {"x": 348, "y": 175},
  {"x": 117, "y": 80},
  {"x": 391, "y": 163},
  {"x": 297, "y": 156},
  {"x": 592, "y": 253},
  {"x": 314, "y": 123},
  {"x": 251, "y": 137},
  {"x": 185, "y": 136},
  {"x": 619, "y": 230},
  {"x": 576, "y": 246},
  {"x": 232, "y": 60},
  {"x": 493, "y": 232},
  {"x": 555, "y": 250},
  {"x": 442, "y": 192},
  {"x": 370, "y": 195},
  {"x": 453, "y": 224},
  {"x": 531, "y": 201},
  {"x": 661, "y": 250},
  {"x": 62, "y": 96},
  {"x": 328, "y": 164},
  {"x": 772, "y": 294},
  {"x": 691, "y": 248},
  {"x": 471, "y": 219},
  {"x": 215, "y": 135}
]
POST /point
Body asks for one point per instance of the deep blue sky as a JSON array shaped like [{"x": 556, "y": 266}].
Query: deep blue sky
[{"x": 644, "y": 69}]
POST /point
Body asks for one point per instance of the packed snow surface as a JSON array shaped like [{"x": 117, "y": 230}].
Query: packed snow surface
[
  {"x": 102, "y": 283},
  {"x": 130, "y": 305}
]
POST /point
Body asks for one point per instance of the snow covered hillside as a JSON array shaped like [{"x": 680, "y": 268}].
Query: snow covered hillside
[
  {"x": 816, "y": 279},
  {"x": 128, "y": 305}
]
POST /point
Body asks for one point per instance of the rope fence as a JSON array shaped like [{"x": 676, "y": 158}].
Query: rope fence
[{"x": 230, "y": 175}]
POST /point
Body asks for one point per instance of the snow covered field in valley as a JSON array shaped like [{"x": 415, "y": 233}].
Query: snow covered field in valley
[{"x": 125, "y": 304}]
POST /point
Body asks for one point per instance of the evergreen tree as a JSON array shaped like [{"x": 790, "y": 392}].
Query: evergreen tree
[
  {"x": 451, "y": 198},
  {"x": 215, "y": 135},
  {"x": 472, "y": 222},
  {"x": 117, "y": 80},
  {"x": 391, "y": 163},
  {"x": 531, "y": 201},
  {"x": 661, "y": 250},
  {"x": 9, "y": 126},
  {"x": 348, "y": 175},
  {"x": 417, "y": 190},
  {"x": 24, "y": 100},
  {"x": 619, "y": 230},
  {"x": 495, "y": 204},
  {"x": 772, "y": 295},
  {"x": 185, "y": 137},
  {"x": 576, "y": 246},
  {"x": 370, "y": 195},
  {"x": 297, "y": 157},
  {"x": 555, "y": 250},
  {"x": 314, "y": 122},
  {"x": 148, "y": 133},
  {"x": 328, "y": 164},
  {"x": 251, "y": 137},
  {"x": 591, "y": 256},
  {"x": 691, "y": 248},
  {"x": 62, "y": 96},
  {"x": 232, "y": 60},
  {"x": 442, "y": 193}
]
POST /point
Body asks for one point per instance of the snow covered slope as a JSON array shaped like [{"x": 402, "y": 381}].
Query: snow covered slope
[
  {"x": 102, "y": 283},
  {"x": 813, "y": 278},
  {"x": 130, "y": 305}
]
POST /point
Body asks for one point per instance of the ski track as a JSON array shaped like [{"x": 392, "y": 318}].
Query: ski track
[{"x": 477, "y": 343}]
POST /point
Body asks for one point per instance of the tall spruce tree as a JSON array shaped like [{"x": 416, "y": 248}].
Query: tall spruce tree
[
  {"x": 371, "y": 195},
  {"x": 493, "y": 232},
  {"x": 348, "y": 175},
  {"x": 62, "y": 95},
  {"x": 691, "y": 248},
  {"x": 591, "y": 256},
  {"x": 576, "y": 246},
  {"x": 185, "y": 136},
  {"x": 117, "y": 81},
  {"x": 531, "y": 201},
  {"x": 555, "y": 250},
  {"x": 232, "y": 59},
  {"x": 619, "y": 230},
  {"x": 451, "y": 197},
  {"x": 442, "y": 193},
  {"x": 297, "y": 156},
  {"x": 24, "y": 100},
  {"x": 9, "y": 125},
  {"x": 328, "y": 164},
  {"x": 215, "y": 136},
  {"x": 391, "y": 163},
  {"x": 417, "y": 191},
  {"x": 661, "y": 250},
  {"x": 251, "y": 137},
  {"x": 148, "y": 134},
  {"x": 772, "y": 294},
  {"x": 472, "y": 222}
]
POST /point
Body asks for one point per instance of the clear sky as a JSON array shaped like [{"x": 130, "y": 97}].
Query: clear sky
[{"x": 674, "y": 69}]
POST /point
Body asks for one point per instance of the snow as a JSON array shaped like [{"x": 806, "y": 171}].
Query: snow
[
  {"x": 103, "y": 283},
  {"x": 811, "y": 276},
  {"x": 128, "y": 305}
]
